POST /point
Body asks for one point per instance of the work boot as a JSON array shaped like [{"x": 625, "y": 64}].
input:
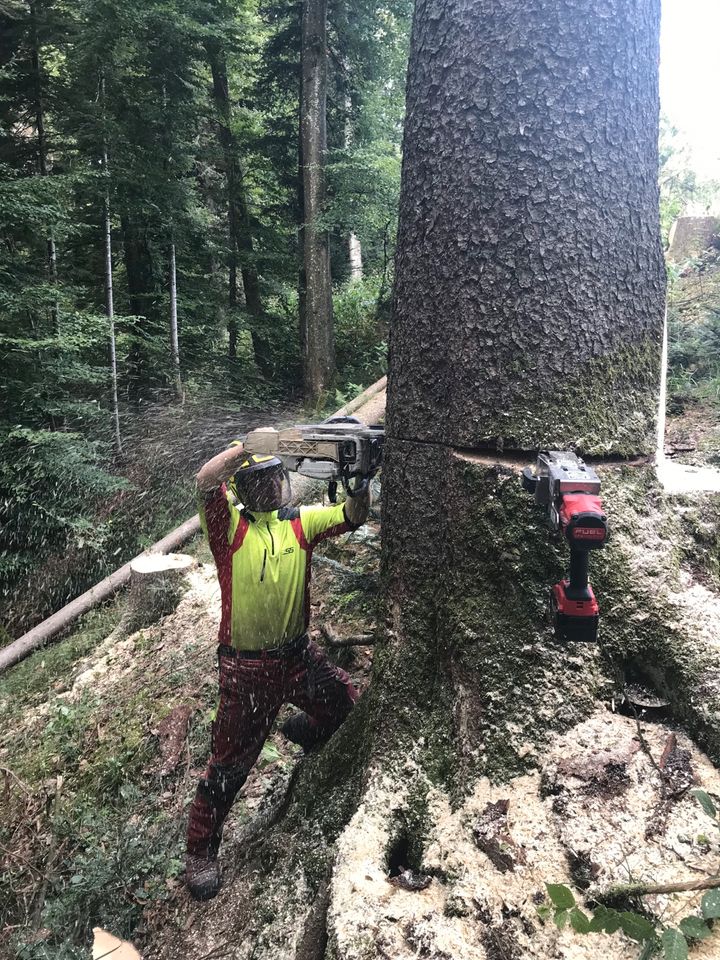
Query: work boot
[
  {"x": 202, "y": 876},
  {"x": 298, "y": 729}
]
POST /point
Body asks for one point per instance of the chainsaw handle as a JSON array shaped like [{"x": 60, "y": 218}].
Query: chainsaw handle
[
  {"x": 529, "y": 479},
  {"x": 360, "y": 488}
]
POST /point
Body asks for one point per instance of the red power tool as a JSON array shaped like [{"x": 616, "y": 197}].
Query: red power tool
[{"x": 568, "y": 489}]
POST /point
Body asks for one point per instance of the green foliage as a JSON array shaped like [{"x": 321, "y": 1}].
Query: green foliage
[
  {"x": 680, "y": 186},
  {"x": 50, "y": 486},
  {"x": 694, "y": 354},
  {"x": 671, "y": 942},
  {"x": 360, "y": 331},
  {"x": 143, "y": 83}
]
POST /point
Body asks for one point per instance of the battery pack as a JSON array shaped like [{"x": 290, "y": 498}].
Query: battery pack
[{"x": 575, "y": 620}]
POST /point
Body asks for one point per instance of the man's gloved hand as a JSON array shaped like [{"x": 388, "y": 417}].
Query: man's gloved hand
[{"x": 357, "y": 506}]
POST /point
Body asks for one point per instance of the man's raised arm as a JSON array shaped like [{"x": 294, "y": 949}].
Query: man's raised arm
[{"x": 219, "y": 469}]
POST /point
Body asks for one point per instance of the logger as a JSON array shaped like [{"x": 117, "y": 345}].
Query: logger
[{"x": 569, "y": 491}]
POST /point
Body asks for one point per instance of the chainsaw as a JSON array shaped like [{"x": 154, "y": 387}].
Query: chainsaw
[
  {"x": 569, "y": 491},
  {"x": 339, "y": 449}
]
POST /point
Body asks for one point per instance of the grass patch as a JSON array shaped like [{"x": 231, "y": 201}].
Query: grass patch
[{"x": 51, "y": 668}]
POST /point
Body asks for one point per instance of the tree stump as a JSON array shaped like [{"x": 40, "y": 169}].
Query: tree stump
[{"x": 156, "y": 585}]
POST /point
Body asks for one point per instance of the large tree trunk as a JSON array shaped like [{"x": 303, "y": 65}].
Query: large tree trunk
[
  {"x": 239, "y": 226},
  {"x": 530, "y": 279},
  {"x": 485, "y": 759},
  {"x": 317, "y": 336}
]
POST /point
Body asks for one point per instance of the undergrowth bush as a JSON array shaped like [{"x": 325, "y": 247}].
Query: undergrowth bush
[
  {"x": 51, "y": 483},
  {"x": 694, "y": 356},
  {"x": 360, "y": 332}
]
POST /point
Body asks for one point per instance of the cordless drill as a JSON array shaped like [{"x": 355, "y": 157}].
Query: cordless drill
[{"x": 569, "y": 491}]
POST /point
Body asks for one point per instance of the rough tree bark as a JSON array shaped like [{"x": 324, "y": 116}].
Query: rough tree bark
[
  {"x": 530, "y": 277},
  {"x": 485, "y": 758},
  {"x": 239, "y": 227},
  {"x": 316, "y": 333}
]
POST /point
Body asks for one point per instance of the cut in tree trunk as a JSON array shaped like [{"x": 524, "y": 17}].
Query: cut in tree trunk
[
  {"x": 317, "y": 336},
  {"x": 156, "y": 585}
]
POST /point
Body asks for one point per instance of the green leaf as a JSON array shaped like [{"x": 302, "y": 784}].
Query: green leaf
[
  {"x": 635, "y": 926},
  {"x": 560, "y": 895},
  {"x": 579, "y": 921},
  {"x": 694, "y": 928},
  {"x": 544, "y": 912},
  {"x": 561, "y": 918},
  {"x": 648, "y": 950},
  {"x": 606, "y": 919},
  {"x": 269, "y": 753},
  {"x": 674, "y": 945},
  {"x": 711, "y": 905},
  {"x": 705, "y": 802}
]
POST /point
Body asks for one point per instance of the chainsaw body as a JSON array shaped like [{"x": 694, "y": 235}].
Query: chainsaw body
[
  {"x": 340, "y": 449},
  {"x": 569, "y": 490}
]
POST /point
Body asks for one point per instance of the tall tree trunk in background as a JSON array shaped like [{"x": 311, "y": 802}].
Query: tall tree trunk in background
[
  {"x": 174, "y": 341},
  {"x": 239, "y": 226},
  {"x": 355, "y": 256},
  {"x": 42, "y": 155},
  {"x": 317, "y": 337},
  {"x": 354, "y": 245},
  {"x": 142, "y": 298},
  {"x": 110, "y": 306}
]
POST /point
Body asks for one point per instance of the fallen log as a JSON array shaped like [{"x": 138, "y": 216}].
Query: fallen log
[{"x": 45, "y": 631}]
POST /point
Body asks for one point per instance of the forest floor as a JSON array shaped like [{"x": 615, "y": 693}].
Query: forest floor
[
  {"x": 105, "y": 739},
  {"x": 692, "y": 433}
]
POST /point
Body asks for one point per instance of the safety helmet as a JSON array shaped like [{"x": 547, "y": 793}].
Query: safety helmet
[{"x": 261, "y": 483}]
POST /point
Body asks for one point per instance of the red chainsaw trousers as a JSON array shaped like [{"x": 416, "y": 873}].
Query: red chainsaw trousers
[{"x": 251, "y": 693}]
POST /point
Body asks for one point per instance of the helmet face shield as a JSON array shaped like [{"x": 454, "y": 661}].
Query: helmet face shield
[{"x": 263, "y": 490}]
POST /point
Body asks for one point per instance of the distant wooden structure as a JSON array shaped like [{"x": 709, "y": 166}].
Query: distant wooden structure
[{"x": 689, "y": 236}]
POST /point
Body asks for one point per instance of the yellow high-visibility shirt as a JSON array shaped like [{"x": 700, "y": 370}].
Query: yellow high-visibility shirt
[{"x": 263, "y": 564}]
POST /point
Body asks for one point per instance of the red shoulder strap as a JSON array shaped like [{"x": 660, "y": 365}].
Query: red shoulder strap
[
  {"x": 242, "y": 529},
  {"x": 296, "y": 524}
]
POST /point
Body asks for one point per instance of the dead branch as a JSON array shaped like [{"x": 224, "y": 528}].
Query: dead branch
[
  {"x": 651, "y": 889},
  {"x": 21, "y": 859},
  {"x": 7, "y": 772},
  {"x": 333, "y": 640}
]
